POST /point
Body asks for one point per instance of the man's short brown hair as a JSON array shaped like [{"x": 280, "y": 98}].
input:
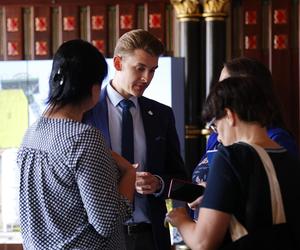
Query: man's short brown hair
[{"x": 139, "y": 39}]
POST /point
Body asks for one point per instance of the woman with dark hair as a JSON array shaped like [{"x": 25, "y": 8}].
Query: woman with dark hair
[
  {"x": 73, "y": 195},
  {"x": 276, "y": 130},
  {"x": 237, "y": 184}
]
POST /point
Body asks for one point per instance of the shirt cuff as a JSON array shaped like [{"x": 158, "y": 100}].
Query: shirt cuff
[{"x": 159, "y": 192}]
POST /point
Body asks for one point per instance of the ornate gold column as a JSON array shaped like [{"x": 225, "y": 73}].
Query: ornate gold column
[
  {"x": 215, "y": 13},
  {"x": 191, "y": 48}
]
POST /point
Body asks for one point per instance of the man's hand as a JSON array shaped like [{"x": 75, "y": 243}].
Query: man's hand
[{"x": 147, "y": 183}]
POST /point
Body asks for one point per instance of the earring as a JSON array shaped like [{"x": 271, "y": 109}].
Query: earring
[{"x": 61, "y": 80}]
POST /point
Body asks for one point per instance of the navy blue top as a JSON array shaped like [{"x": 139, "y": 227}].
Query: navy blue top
[
  {"x": 279, "y": 135},
  {"x": 237, "y": 184}
]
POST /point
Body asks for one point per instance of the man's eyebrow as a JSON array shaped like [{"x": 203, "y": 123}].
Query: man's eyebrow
[
  {"x": 141, "y": 64},
  {"x": 144, "y": 65}
]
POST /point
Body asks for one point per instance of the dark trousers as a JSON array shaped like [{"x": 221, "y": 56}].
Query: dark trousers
[{"x": 139, "y": 239}]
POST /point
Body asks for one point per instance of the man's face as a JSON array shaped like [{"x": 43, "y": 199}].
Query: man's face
[{"x": 134, "y": 72}]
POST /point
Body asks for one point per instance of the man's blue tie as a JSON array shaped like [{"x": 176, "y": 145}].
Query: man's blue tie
[{"x": 127, "y": 130}]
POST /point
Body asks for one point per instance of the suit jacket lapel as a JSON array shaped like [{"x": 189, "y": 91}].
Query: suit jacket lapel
[{"x": 148, "y": 116}]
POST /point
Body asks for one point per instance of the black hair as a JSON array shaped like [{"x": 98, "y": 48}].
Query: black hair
[
  {"x": 242, "y": 95},
  {"x": 245, "y": 66},
  {"x": 77, "y": 66}
]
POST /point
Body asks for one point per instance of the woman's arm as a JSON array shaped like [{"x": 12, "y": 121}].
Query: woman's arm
[
  {"x": 99, "y": 185},
  {"x": 128, "y": 176},
  {"x": 221, "y": 197},
  {"x": 205, "y": 234}
]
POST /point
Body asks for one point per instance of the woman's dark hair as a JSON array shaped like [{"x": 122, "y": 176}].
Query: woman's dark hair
[
  {"x": 244, "y": 96},
  {"x": 77, "y": 66},
  {"x": 244, "y": 66}
]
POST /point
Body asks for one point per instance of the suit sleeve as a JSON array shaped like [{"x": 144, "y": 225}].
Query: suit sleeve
[{"x": 174, "y": 164}]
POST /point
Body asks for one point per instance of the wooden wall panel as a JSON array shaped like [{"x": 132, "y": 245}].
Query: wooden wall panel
[
  {"x": 42, "y": 33},
  {"x": 170, "y": 30},
  {"x": 252, "y": 38},
  {"x": 13, "y": 44},
  {"x": 99, "y": 27},
  {"x": 237, "y": 27},
  {"x": 2, "y": 32},
  {"x": 126, "y": 15},
  {"x": 45, "y": 25},
  {"x": 81, "y": 2},
  {"x": 280, "y": 56},
  {"x": 273, "y": 34},
  {"x": 11, "y": 247},
  {"x": 295, "y": 34},
  {"x": 156, "y": 20},
  {"x": 70, "y": 22}
]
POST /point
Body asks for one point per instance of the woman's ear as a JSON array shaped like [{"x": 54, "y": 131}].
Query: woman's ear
[
  {"x": 230, "y": 117},
  {"x": 117, "y": 63}
]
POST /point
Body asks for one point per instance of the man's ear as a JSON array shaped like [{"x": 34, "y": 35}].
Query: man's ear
[{"x": 117, "y": 63}]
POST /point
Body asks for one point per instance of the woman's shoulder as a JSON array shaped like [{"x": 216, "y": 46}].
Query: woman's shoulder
[
  {"x": 277, "y": 132},
  {"x": 69, "y": 132},
  {"x": 237, "y": 155},
  {"x": 238, "y": 149},
  {"x": 87, "y": 142},
  {"x": 284, "y": 139},
  {"x": 241, "y": 154},
  {"x": 86, "y": 133}
]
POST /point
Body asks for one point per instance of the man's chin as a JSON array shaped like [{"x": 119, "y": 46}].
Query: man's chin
[{"x": 138, "y": 93}]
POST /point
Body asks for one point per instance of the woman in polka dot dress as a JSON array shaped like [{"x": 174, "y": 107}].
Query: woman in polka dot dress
[{"x": 74, "y": 193}]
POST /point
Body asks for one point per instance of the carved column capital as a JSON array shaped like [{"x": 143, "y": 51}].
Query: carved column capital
[
  {"x": 215, "y": 9},
  {"x": 187, "y": 9}
]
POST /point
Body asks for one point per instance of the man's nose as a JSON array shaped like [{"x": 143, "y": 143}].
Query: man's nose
[{"x": 146, "y": 77}]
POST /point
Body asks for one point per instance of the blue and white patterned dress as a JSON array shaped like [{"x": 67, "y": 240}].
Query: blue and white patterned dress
[{"x": 69, "y": 195}]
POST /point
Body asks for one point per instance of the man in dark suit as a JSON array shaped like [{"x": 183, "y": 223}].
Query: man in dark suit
[{"x": 155, "y": 141}]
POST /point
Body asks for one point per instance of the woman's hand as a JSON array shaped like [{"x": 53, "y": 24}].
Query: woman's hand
[
  {"x": 195, "y": 204},
  {"x": 177, "y": 216}
]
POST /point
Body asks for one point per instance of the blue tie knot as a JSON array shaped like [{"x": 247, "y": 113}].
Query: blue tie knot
[{"x": 126, "y": 104}]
